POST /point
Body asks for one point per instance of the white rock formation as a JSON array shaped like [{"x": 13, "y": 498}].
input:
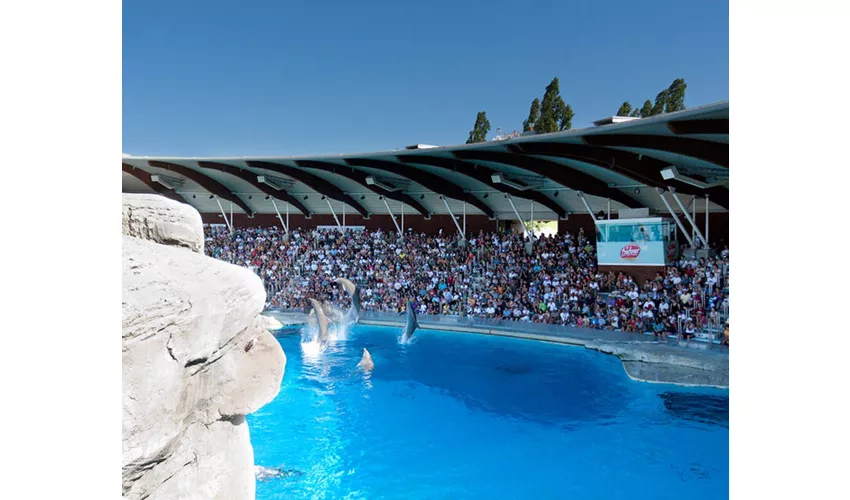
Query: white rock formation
[
  {"x": 156, "y": 218},
  {"x": 196, "y": 359}
]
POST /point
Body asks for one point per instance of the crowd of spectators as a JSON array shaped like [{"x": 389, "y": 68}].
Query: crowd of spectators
[{"x": 492, "y": 276}]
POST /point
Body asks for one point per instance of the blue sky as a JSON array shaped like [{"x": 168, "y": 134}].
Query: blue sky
[{"x": 204, "y": 78}]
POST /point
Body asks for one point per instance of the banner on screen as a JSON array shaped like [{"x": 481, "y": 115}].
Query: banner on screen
[{"x": 634, "y": 242}]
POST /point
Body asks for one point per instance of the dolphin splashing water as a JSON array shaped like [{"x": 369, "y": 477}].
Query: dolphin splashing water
[
  {"x": 321, "y": 318},
  {"x": 411, "y": 324},
  {"x": 354, "y": 292}
]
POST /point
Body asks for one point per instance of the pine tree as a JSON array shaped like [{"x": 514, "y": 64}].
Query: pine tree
[
  {"x": 480, "y": 129},
  {"x": 625, "y": 109},
  {"x": 533, "y": 116}
]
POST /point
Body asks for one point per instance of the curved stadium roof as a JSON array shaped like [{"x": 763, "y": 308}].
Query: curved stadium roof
[{"x": 620, "y": 161}]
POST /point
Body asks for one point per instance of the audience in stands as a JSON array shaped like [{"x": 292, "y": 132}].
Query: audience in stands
[{"x": 490, "y": 277}]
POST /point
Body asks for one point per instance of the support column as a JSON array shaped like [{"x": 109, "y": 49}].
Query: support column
[
  {"x": 706, "y": 218},
  {"x": 609, "y": 208},
  {"x": 675, "y": 217},
  {"x": 532, "y": 219},
  {"x": 516, "y": 212},
  {"x": 333, "y": 212},
  {"x": 464, "y": 220},
  {"x": 694, "y": 225},
  {"x": 285, "y": 226},
  {"x": 586, "y": 205},
  {"x": 231, "y": 214},
  {"x": 402, "y": 219},
  {"x": 389, "y": 211},
  {"x": 227, "y": 222},
  {"x": 343, "y": 216},
  {"x": 688, "y": 216},
  {"x": 452, "y": 215}
]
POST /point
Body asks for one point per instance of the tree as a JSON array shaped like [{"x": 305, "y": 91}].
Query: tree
[
  {"x": 646, "y": 109},
  {"x": 676, "y": 96},
  {"x": 555, "y": 114},
  {"x": 480, "y": 129},
  {"x": 625, "y": 109},
  {"x": 533, "y": 116},
  {"x": 660, "y": 103},
  {"x": 567, "y": 117}
]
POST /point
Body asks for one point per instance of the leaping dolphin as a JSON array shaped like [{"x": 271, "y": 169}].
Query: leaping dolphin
[
  {"x": 321, "y": 318},
  {"x": 411, "y": 325},
  {"x": 366, "y": 363},
  {"x": 353, "y": 291}
]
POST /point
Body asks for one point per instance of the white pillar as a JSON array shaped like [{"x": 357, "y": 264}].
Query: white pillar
[
  {"x": 706, "y": 219},
  {"x": 452, "y": 215},
  {"x": 516, "y": 212},
  {"x": 333, "y": 212},
  {"x": 231, "y": 214},
  {"x": 389, "y": 211},
  {"x": 285, "y": 226},
  {"x": 609, "y": 208},
  {"x": 675, "y": 217},
  {"x": 287, "y": 215},
  {"x": 224, "y": 215},
  {"x": 694, "y": 226},
  {"x": 464, "y": 220},
  {"x": 532, "y": 218},
  {"x": 690, "y": 220},
  {"x": 402, "y": 219},
  {"x": 343, "y": 216}
]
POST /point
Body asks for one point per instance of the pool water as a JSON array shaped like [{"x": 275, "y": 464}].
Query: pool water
[{"x": 458, "y": 415}]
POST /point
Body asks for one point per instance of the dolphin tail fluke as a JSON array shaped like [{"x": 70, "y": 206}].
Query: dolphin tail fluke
[{"x": 349, "y": 287}]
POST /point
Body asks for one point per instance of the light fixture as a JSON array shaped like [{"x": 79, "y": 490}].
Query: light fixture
[
  {"x": 212, "y": 196},
  {"x": 362, "y": 196},
  {"x": 194, "y": 196},
  {"x": 637, "y": 190},
  {"x": 672, "y": 172},
  {"x": 556, "y": 194},
  {"x": 498, "y": 179},
  {"x": 380, "y": 198},
  {"x": 422, "y": 197},
  {"x": 486, "y": 195},
  {"x": 267, "y": 197},
  {"x": 305, "y": 197},
  {"x": 372, "y": 181},
  {"x": 250, "y": 197},
  {"x": 324, "y": 198}
]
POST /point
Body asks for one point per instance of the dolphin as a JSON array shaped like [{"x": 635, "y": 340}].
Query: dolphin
[
  {"x": 354, "y": 291},
  {"x": 333, "y": 315},
  {"x": 322, "y": 319},
  {"x": 411, "y": 325},
  {"x": 366, "y": 363},
  {"x": 266, "y": 473}
]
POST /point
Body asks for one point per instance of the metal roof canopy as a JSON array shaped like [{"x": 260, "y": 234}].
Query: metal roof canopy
[{"x": 618, "y": 164}]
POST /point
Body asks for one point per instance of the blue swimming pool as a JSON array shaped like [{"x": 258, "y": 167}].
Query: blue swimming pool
[{"x": 456, "y": 415}]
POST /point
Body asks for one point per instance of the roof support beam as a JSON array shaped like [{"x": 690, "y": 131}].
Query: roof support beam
[
  {"x": 145, "y": 177},
  {"x": 205, "y": 181},
  {"x": 251, "y": 178},
  {"x": 688, "y": 216},
  {"x": 360, "y": 178},
  {"x": 484, "y": 175},
  {"x": 719, "y": 126},
  {"x": 710, "y": 151},
  {"x": 643, "y": 169},
  {"x": 313, "y": 181},
  {"x": 562, "y": 173},
  {"x": 430, "y": 181}
]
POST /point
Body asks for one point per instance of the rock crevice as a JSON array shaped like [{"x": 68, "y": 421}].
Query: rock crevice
[{"x": 197, "y": 358}]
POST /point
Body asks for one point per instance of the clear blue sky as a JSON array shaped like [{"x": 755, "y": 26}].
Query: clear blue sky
[{"x": 279, "y": 77}]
